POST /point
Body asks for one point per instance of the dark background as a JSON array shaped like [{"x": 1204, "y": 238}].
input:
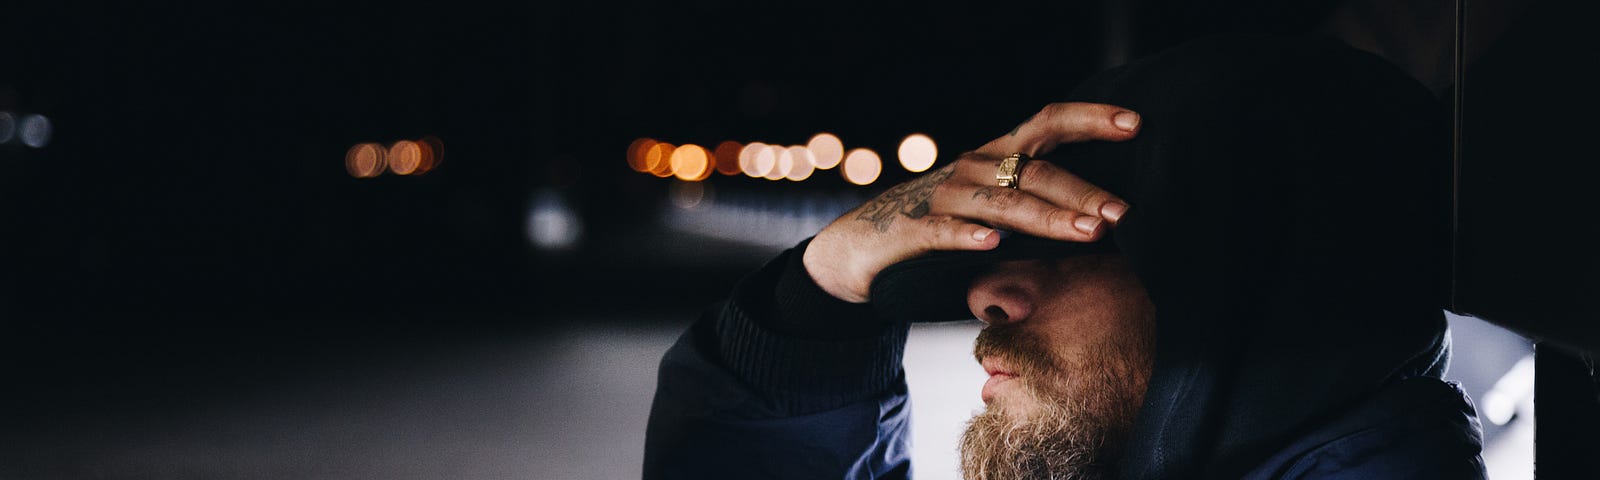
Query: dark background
[
  {"x": 197, "y": 161},
  {"x": 190, "y": 234}
]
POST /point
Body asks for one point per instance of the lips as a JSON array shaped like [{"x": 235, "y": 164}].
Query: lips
[{"x": 999, "y": 376}]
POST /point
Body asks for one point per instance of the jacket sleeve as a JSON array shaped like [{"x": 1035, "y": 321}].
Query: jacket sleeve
[{"x": 782, "y": 381}]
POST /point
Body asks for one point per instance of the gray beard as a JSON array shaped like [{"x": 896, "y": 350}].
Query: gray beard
[
  {"x": 1058, "y": 441},
  {"x": 1076, "y": 427}
]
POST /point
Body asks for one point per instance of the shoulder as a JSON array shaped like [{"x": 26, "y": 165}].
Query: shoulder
[{"x": 1421, "y": 427}]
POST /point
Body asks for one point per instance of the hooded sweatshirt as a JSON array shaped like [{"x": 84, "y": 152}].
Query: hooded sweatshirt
[{"x": 1289, "y": 221}]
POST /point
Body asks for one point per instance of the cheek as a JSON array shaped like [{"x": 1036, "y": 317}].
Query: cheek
[
  {"x": 1094, "y": 321},
  {"x": 1075, "y": 321}
]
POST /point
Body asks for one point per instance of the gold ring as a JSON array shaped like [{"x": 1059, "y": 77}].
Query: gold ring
[{"x": 1010, "y": 174}]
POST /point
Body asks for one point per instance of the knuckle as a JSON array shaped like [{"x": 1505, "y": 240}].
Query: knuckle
[
  {"x": 1057, "y": 220},
  {"x": 1035, "y": 170},
  {"x": 1091, "y": 197},
  {"x": 936, "y": 233},
  {"x": 939, "y": 192},
  {"x": 1052, "y": 109},
  {"x": 1046, "y": 116},
  {"x": 970, "y": 157},
  {"x": 1001, "y": 198},
  {"x": 966, "y": 162}
]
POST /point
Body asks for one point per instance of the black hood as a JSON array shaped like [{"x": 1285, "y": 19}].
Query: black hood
[{"x": 1290, "y": 214}]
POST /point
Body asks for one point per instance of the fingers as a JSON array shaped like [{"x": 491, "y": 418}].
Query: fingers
[
  {"x": 943, "y": 232},
  {"x": 1017, "y": 210},
  {"x": 1059, "y": 123},
  {"x": 1061, "y": 187},
  {"x": 1077, "y": 122},
  {"x": 1046, "y": 181}
]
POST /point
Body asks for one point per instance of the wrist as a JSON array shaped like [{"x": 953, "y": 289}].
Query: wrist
[{"x": 824, "y": 269}]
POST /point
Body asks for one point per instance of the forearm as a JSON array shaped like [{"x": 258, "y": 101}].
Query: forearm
[{"x": 781, "y": 380}]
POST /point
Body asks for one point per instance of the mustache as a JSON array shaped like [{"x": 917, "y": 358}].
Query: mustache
[{"x": 1018, "y": 349}]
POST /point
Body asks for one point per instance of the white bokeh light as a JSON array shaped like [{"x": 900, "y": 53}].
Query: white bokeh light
[
  {"x": 917, "y": 152},
  {"x": 747, "y": 159},
  {"x": 8, "y": 127},
  {"x": 826, "y": 149},
  {"x": 765, "y": 161},
  {"x": 861, "y": 166},
  {"x": 688, "y": 195},
  {"x": 802, "y": 165},
  {"x": 782, "y": 161},
  {"x": 35, "y": 131},
  {"x": 552, "y": 225}
]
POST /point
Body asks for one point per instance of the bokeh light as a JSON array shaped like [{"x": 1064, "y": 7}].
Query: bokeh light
[
  {"x": 917, "y": 152},
  {"x": 747, "y": 158},
  {"x": 691, "y": 163},
  {"x": 802, "y": 165},
  {"x": 35, "y": 131},
  {"x": 636, "y": 153},
  {"x": 764, "y": 161},
  {"x": 689, "y": 195},
  {"x": 826, "y": 150},
  {"x": 8, "y": 127},
  {"x": 728, "y": 156},
  {"x": 404, "y": 157},
  {"x": 551, "y": 223},
  {"x": 658, "y": 159},
  {"x": 365, "y": 160},
  {"x": 432, "y": 154},
  {"x": 861, "y": 166},
  {"x": 783, "y": 160}
]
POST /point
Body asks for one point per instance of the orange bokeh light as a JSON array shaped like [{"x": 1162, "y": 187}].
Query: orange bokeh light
[
  {"x": 728, "y": 157},
  {"x": 691, "y": 163},
  {"x": 636, "y": 154},
  {"x": 826, "y": 150},
  {"x": 432, "y": 154},
  {"x": 404, "y": 157},
  {"x": 861, "y": 166},
  {"x": 658, "y": 159},
  {"x": 365, "y": 160}
]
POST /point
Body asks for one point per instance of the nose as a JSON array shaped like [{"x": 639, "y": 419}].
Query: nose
[{"x": 1003, "y": 295}]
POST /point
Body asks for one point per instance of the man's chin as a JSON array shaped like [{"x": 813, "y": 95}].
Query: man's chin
[
  {"x": 1012, "y": 406},
  {"x": 1006, "y": 390},
  {"x": 1017, "y": 436}
]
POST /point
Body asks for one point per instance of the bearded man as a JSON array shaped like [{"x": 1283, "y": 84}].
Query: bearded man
[{"x": 1242, "y": 280}]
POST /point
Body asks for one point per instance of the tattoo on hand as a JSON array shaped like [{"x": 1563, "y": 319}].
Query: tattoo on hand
[
  {"x": 908, "y": 199},
  {"x": 986, "y": 193}
]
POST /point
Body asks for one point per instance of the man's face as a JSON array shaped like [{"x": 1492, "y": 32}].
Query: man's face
[{"x": 1068, "y": 349}]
